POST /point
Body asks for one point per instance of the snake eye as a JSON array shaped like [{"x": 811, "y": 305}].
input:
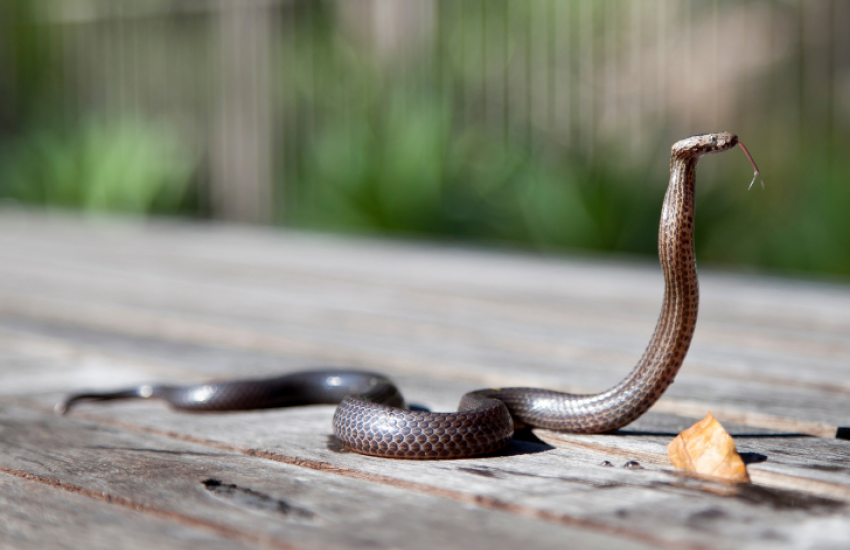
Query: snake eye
[{"x": 713, "y": 139}]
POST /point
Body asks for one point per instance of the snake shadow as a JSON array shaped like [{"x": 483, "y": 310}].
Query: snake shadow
[
  {"x": 747, "y": 457},
  {"x": 524, "y": 442}
]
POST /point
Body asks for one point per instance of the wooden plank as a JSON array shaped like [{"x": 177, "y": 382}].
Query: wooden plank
[
  {"x": 381, "y": 262},
  {"x": 582, "y": 282},
  {"x": 257, "y": 501},
  {"x": 36, "y": 515},
  {"x": 433, "y": 392},
  {"x": 791, "y": 454},
  {"x": 528, "y": 481},
  {"x": 563, "y": 342},
  {"x": 171, "y": 361},
  {"x": 83, "y": 307},
  {"x": 816, "y": 402},
  {"x": 782, "y": 460},
  {"x": 560, "y": 277}
]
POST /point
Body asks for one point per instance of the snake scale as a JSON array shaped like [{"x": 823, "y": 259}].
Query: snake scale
[{"x": 371, "y": 418}]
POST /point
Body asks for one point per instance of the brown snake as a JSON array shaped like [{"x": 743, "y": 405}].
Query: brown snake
[{"x": 371, "y": 419}]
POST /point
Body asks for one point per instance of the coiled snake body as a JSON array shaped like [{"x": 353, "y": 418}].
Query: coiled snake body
[{"x": 371, "y": 417}]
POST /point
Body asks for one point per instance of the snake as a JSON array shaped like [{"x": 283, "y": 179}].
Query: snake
[{"x": 371, "y": 417}]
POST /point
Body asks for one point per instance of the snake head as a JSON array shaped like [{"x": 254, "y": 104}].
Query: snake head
[{"x": 697, "y": 146}]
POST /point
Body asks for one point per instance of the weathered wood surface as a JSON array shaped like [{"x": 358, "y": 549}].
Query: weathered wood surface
[{"x": 103, "y": 305}]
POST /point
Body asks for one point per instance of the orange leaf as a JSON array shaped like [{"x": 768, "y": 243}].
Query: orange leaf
[{"x": 706, "y": 448}]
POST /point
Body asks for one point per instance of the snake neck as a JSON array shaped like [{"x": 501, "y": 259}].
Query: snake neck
[
  {"x": 674, "y": 330},
  {"x": 653, "y": 374}
]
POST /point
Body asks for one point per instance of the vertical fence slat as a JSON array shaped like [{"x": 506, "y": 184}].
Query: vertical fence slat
[
  {"x": 587, "y": 108},
  {"x": 241, "y": 182}
]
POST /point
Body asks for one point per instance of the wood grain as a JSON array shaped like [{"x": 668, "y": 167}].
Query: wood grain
[
  {"x": 107, "y": 304},
  {"x": 253, "y": 500}
]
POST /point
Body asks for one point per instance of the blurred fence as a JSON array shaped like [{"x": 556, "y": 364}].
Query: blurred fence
[{"x": 540, "y": 121}]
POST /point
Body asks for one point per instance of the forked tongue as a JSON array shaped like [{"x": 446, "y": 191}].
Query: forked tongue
[{"x": 757, "y": 173}]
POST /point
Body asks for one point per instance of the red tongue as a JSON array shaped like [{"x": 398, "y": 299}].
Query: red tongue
[{"x": 757, "y": 173}]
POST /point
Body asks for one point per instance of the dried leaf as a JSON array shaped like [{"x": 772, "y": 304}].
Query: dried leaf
[{"x": 706, "y": 448}]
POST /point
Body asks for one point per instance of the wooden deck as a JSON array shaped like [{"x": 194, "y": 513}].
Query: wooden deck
[{"x": 104, "y": 305}]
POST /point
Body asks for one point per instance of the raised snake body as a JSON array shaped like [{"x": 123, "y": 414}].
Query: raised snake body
[{"x": 370, "y": 418}]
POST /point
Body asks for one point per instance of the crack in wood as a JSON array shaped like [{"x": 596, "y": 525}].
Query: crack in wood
[
  {"x": 250, "y": 498},
  {"x": 149, "y": 450}
]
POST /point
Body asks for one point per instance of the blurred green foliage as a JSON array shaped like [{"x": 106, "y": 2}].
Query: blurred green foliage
[
  {"x": 398, "y": 151},
  {"x": 411, "y": 171},
  {"x": 127, "y": 166},
  {"x": 391, "y": 151},
  {"x": 80, "y": 160},
  {"x": 383, "y": 148}
]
